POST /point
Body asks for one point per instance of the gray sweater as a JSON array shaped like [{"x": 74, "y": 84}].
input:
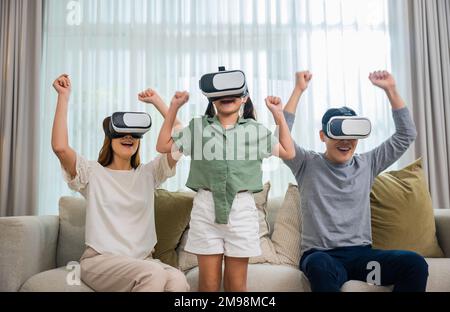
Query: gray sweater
[{"x": 335, "y": 198}]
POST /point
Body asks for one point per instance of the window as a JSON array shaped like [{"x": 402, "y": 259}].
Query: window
[{"x": 114, "y": 49}]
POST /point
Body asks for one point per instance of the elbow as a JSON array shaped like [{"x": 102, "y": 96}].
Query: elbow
[
  {"x": 290, "y": 155},
  {"x": 59, "y": 149},
  {"x": 160, "y": 148}
]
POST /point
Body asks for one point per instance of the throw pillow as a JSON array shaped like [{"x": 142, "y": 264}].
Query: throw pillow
[
  {"x": 268, "y": 253},
  {"x": 287, "y": 231},
  {"x": 172, "y": 215},
  {"x": 402, "y": 212}
]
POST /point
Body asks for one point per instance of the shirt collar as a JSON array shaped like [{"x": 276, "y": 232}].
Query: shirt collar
[{"x": 215, "y": 119}]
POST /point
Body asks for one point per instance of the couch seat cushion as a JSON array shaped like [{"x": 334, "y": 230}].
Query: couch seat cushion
[
  {"x": 264, "y": 277},
  {"x": 52, "y": 281}
]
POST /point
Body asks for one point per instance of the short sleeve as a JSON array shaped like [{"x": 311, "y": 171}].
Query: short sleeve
[
  {"x": 267, "y": 141},
  {"x": 160, "y": 169},
  {"x": 81, "y": 180},
  {"x": 183, "y": 139}
]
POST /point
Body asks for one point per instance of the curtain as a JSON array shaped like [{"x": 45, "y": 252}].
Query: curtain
[
  {"x": 20, "y": 56},
  {"x": 430, "y": 59},
  {"x": 114, "y": 49}
]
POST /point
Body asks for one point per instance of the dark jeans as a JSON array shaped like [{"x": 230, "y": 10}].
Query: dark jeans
[{"x": 328, "y": 270}]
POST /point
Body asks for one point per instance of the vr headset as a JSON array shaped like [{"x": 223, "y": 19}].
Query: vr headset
[
  {"x": 223, "y": 84},
  {"x": 121, "y": 124},
  {"x": 348, "y": 128}
]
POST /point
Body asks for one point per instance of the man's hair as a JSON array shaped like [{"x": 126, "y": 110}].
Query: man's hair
[{"x": 333, "y": 112}]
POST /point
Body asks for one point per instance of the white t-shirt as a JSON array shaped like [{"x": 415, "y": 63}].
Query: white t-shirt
[{"x": 120, "y": 214}]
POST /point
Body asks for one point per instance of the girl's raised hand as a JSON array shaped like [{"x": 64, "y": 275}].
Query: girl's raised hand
[{"x": 274, "y": 104}]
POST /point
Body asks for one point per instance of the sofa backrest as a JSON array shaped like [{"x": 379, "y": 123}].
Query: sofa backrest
[{"x": 72, "y": 218}]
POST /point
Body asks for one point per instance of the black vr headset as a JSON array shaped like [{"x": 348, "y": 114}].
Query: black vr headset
[
  {"x": 223, "y": 84},
  {"x": 121, "y": 124}
]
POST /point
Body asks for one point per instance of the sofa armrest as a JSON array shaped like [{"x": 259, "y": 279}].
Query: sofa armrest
[
  {"x": 27, "y": 247},
  {"x": 442, "y": 218}
]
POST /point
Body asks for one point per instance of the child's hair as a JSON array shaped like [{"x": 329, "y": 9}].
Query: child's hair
[{"x": 249, "y": 110}]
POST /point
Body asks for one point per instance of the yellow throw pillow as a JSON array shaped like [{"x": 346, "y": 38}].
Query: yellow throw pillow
[
  {"x": 402, "y": 212},
  {"x": 172, "y": 215}
]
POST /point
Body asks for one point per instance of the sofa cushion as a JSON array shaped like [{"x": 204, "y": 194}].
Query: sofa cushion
[
  {"x": 265, "y": 277},
  {"x": 287, "y": 232},
  {"x": 438, "y": 275},
  {"x": 72, "y": 217},
  {"x": 52, "y": 281},
  {"x": 172, "y": 215},
  {"x": 402, "y": 212}
]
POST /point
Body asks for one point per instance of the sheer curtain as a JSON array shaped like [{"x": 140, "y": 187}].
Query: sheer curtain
[{"x": 114, "y": 49}]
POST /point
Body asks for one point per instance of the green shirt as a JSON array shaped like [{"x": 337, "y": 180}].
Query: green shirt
[{"x": 225, "y": 161}]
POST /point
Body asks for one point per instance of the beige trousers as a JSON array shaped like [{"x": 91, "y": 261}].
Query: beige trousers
[{"x": 107, "y": 272}]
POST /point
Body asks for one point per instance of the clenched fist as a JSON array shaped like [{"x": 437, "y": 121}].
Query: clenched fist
[
  {"x": 274, "y": 104},
  {"x": 302, "y": 80},
  {"x": 62, "y": 85},
  {"x": 382, "y": 79},
  {"x": 179, "y": 99},
  {"x": 149, "y": 96}
]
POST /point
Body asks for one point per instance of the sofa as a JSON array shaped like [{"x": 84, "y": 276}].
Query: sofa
[{"x": 35, "y": 250}]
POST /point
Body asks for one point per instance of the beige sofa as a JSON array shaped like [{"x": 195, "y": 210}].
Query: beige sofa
[{"x": 34, "y": 252}]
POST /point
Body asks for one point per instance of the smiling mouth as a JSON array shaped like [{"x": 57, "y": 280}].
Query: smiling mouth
[
  {"x": 227, "y": 101},
  {"x": 127, "y": 144},
  {"x": 344, "y": 149}
]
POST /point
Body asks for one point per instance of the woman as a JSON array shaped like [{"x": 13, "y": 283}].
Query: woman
[{"x": 119, "y": 190}]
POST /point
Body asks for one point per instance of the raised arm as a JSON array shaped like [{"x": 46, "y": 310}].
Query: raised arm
[
  {"x": 302, "y": 80},
  {"x": 285, "y": 148},
  {"x": 405, "y": 131},
  {"x": 60, "y": 141},
  {"x": 165, "y": 141},
  {"x": 150, "y": 96}
]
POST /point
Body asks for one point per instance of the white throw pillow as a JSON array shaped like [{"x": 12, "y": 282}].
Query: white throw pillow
[{"x": 286, "y": 237}]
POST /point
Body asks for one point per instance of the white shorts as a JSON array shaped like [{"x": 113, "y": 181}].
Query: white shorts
[{"x": 239, "y": 238}]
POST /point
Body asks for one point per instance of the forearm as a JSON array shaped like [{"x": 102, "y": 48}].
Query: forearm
[
  {"x": 60, "y": 141},
  {"x": 165, "y": 141},
  {"x": 292, "y": 104},
  {"x": 285, "y": 139},
  {"x": 395, "y": 99},
  {"x": 163, "y": 109}
]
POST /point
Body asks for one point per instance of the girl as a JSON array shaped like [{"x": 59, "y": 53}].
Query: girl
[
  {"x": 119, "y": 190},
  {"x": 225, "y": 172}
]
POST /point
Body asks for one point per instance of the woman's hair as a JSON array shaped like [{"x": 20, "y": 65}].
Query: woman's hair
[
  {"x": 249, "y": 110},
  {"x": 105, "y": 157}
]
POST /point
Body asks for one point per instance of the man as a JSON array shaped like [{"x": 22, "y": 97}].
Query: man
[{"x": 334, "y": 189}]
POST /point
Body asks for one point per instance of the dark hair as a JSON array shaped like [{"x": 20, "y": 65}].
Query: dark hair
[
  {"x": 106, "y": 154},
  {"x": 249, "y": 110}
]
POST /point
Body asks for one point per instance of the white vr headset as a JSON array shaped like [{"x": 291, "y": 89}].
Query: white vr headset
[
  {"x": 223, "y": 84},
  {"x": 348, "y": 128},
  {"x": 128, "y": 123}
]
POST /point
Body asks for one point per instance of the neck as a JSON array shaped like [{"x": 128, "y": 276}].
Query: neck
[
  {"x": 228, "y": 120},
  {"x": 120, "y": 164}
]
